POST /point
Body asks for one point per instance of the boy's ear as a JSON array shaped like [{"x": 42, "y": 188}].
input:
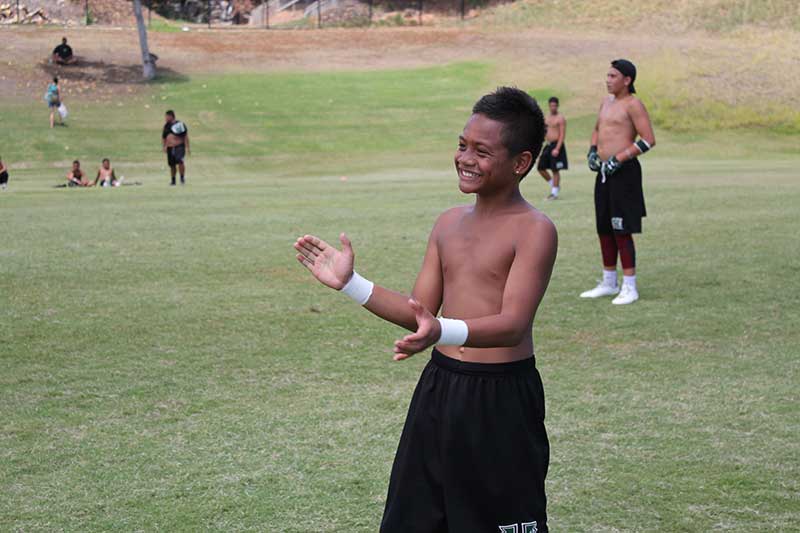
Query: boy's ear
[{"x": 523, "y": 162}]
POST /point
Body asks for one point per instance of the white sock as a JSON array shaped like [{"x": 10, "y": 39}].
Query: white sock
[
  {"x": 554, "y": 190},
  {"x": 551, "y": 183},
  {"x": 610, "y": 277},
  {"x": 630, "y": 281}
]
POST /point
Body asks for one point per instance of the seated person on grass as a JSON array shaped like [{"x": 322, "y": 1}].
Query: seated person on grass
[
  {"x": 62, "y": 54},
  {"x": 76, "y": 177},
  {"x": 106, "y": 176}
]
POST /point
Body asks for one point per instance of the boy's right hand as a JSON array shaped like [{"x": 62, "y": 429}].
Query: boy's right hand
[{"x": 330, "y": 266}]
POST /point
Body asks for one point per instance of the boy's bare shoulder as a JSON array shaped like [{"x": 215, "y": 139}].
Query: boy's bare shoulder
[
  {"x": 634, "y": 103},
  {"x": 452, "y": 214},
  {"x": 535, "y": 224}
]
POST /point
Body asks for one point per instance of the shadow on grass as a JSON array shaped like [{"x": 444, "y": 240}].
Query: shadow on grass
[{"x": 100, "y": 71}]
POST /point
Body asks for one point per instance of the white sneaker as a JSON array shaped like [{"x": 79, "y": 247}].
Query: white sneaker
[
  {"x": 627, "y": 295},
  {"x": 602, "y": 289}
]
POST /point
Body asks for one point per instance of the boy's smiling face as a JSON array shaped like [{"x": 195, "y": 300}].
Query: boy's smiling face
[{"x": 482, "y": 161}]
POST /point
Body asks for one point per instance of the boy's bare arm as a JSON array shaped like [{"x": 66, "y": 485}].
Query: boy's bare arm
[
  {"x": 641, "y": 121},
  {"x": 644, "y": 129},
  {"x": 596, "y": 130},
  {"x": 394, "y": 307},
  {"x": 562, "y": 132},
  {"x": 524, "y": 289}
]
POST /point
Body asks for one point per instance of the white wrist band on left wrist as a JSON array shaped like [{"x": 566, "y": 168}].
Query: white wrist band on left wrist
[
  {"x": 454, "y": 332},
  {"x": 358, "y": 288}
]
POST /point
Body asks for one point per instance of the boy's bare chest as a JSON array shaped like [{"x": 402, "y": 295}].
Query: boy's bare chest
[
  {"x": 614, "y": 114},
  {"x": 476, "y": 254}
]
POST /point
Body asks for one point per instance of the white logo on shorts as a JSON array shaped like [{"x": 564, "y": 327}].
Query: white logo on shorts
[
  {"x": 559, "y": 165},
  {"x": 616, "y": 223},
  {"x": 527, "y": 527}
]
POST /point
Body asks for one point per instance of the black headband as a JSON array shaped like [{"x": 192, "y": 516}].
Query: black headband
[{"x": 627, "y": 69}]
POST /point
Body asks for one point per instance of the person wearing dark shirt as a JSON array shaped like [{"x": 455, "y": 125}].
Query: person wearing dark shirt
[
  {"x": 62, "y": 54},
  {"x": 175, "y": 142},
  {"x": 76, "y": 177},
  {"x": 3, "y": 175}
]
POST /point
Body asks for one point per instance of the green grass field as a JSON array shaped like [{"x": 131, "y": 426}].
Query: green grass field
[{"x": 168, "y": 366}]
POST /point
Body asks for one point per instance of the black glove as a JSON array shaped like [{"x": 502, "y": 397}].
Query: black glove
[
  {"x": 594, "y": 160},
  {"x": 609, "y": 167}
]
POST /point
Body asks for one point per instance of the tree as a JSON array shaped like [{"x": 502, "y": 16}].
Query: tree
[{"x": 148, "y": 65}]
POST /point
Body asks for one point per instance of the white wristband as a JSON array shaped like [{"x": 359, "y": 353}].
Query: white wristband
[
  {"x": 454, "y": 332},
  {"x": 358, "y": 288}
]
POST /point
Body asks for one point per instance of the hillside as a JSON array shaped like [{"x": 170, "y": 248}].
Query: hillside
[{"x": 655, "y": 15}]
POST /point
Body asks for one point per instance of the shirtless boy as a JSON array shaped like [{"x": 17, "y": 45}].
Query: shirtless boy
[
  {"x": 618, "y": 196},
  {"x": 474, "y": 453},
  {"x": 106, "y": 176},
  {"x": 76, "y": 177},
  {"x": 175, "y": 142},
  {"x": 554, "y": 153}
]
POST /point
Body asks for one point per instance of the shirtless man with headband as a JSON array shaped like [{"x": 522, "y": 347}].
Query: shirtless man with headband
[{"x": 618, "y": 196}]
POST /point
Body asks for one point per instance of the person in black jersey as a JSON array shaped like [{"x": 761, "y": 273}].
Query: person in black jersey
[
  {"x": 62, "y": 54},
  {"x": 3, "y": 175},
  {"x": 175, "y": 142}
]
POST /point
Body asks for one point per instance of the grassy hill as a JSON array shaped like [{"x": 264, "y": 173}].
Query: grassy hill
[
  {"x": 658, "y": 15},
  {"x": 703, "y": 65}
]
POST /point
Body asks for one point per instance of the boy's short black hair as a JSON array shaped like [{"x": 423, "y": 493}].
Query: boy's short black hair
[
  {"x": 553, "y": 99},
  {"x": 521, "y": 116},
  {"x": 76, "y": 161},
  {"x": 55, "y": 79},
  {"x": 105, "y": 159},
  {"x": 170, "y": 112}
]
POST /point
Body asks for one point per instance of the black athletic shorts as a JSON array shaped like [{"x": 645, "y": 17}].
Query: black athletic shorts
[
  {"x": 3, "y": 177},
  {"x": 548, "y": 162},
  {"x": 176, "y": 154},
  {"x": 474, "y": 453},
  {"x": 619, "y": 202}
]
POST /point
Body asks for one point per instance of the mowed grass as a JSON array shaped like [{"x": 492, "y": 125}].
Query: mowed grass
[{"x": 167, "y": 365}]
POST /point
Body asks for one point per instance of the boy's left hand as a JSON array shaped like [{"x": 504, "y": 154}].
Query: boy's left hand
[{"x": 428, "y": 333}]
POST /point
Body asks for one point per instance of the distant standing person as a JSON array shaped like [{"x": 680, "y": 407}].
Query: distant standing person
[
  {"x": 175, "y": 141},
  {"x": 62, "y": 54},
  {"x": 3, "y": 175},
  {"x": 554, "y": 153},
  {"x": 618, "y": 195},
  {"x": 53, "y": 98}
]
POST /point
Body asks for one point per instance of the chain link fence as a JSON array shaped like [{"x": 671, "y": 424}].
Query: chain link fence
[
  {"x": 309, "y": 14},
  {"x": 241, "y": 14}
]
